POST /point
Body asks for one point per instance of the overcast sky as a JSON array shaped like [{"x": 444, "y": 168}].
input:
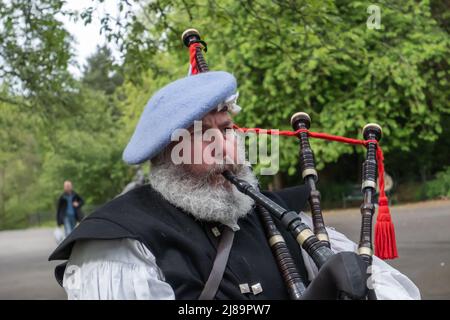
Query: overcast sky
[{"x": 88, "y": 37}]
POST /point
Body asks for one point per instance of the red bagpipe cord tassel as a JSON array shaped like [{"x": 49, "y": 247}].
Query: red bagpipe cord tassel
[
  {"x": 192, "y": 58},
  {"x": 385, "y": 244}
]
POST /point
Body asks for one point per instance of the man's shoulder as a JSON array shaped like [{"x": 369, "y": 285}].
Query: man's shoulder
[
  {"x": 106, "y": 257},
  {"x": 123, "y": 250},
  {"x": 136, "y": 201}
]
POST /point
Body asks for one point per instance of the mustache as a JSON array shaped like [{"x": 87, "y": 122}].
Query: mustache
[{"x": 217, "y": 169}]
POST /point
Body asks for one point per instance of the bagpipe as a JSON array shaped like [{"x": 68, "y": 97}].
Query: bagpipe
[{"x": 341, "y": 275}]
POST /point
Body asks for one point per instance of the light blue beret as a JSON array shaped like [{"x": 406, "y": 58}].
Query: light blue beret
[{"x": 176, "y": 106}]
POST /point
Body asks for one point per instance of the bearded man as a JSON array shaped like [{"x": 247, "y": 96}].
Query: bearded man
[{"x": 161, "y": 240}]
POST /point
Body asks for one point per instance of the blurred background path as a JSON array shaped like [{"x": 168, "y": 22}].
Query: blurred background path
[{"x": 25, "y": 272}]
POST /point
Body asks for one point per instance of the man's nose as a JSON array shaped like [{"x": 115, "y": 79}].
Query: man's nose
[
  {"x": 230, "y": 147},
  {"x": 219, "y": 152}
]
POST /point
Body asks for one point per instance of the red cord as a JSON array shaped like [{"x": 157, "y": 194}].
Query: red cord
[
  {"x": 385, "y": 244},
  {"x": 192, "y": 59}
]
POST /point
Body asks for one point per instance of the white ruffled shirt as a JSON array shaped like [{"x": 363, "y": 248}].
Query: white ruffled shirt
[{"x": 126, "y": 269}]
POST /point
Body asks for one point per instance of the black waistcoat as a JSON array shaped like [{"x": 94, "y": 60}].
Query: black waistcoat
[{"x": 185, "y": 248}]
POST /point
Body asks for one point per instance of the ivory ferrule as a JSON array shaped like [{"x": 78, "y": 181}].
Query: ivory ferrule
[
  {"x": 275, "y": 239},
  {"x": 304, "y": 235}
]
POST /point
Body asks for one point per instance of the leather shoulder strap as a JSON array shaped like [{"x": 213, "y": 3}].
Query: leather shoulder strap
[{"x": 220, "y": 263}]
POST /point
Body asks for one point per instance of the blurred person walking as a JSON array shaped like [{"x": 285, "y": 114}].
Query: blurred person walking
[{"x": 69, "y": 208}]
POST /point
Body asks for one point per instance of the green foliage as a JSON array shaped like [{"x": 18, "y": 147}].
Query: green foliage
[
  {"x": 87, "y": 151},
  {"x": 317, "y": 57},
  {"x": 35, "y": 52},
  {"x": 84, "y": 144},
  {"x": 101, "y": 73},
  {"x": 439, "y": 187}
]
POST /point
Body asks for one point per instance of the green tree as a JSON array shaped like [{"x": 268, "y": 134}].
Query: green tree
[
  {"x": 101, "y": 73},
  {"x": 34, "y": 54},
  {"x": 313, "y": 56}
]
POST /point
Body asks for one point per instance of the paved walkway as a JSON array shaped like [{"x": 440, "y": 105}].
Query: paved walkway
[{"x": 25, "y": 272}]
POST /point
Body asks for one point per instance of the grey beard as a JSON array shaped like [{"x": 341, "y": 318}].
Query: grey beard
[{"x": 201, "y": 197}]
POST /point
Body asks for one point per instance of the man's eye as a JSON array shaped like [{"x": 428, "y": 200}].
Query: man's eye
[{"x": 195, "y": 132}]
